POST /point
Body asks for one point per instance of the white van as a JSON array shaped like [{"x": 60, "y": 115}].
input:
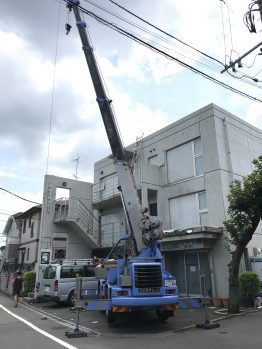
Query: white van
[{"x": 59, "y": 280}]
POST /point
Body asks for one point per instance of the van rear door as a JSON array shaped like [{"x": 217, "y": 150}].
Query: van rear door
[{"x": 49, "y": 280}]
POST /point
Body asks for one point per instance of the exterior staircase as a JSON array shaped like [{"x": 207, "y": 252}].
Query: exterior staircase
[
  {"x": 2, "y": 262},
  {"x": 78, "y": 217}
]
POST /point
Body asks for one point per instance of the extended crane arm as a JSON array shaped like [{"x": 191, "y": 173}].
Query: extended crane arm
[{"x": 142, "y": 228}]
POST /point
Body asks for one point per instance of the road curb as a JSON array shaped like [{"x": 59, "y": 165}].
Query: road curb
[{"x": 72, "y": 324}]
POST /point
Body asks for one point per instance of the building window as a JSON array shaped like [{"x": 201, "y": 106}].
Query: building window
[
  {"x": 202, "y": 208},
  {"x": 32, "y": 229},
  {"x": 153, "y": 209},
  {"x": 185, "y": 161},
  {"x": 108, "y": 186},
  {"x": 24, "y": 226},
  {"x": 198, "y": 157},
  {"x": 59, "y": 253},
  {"x": 111, "y": 229},
  {"x": 188, "y": 211},
  {"x": 29, "y": 222},
  {"x": 27, "y": 255}
]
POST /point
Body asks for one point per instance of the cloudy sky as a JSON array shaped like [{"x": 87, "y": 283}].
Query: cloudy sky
[{"x": 45, "y": 84}]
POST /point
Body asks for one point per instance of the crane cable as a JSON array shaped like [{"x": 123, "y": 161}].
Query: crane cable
[{"x": 53, "y": 89}]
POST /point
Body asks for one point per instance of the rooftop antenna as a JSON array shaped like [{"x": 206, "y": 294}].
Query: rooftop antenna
[{"x": 77, "y": 163}]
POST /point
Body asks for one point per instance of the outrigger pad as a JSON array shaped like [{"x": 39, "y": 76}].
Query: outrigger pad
[
  {"x": 208, "y": 325},
  {"x": 75, "y": 333}
]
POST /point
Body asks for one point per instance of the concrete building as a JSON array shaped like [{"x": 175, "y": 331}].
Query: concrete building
[
  {"x": 183, "y": 173},
  {"x": 62, "y": 227},
  {"x": 68, "y": 227}
]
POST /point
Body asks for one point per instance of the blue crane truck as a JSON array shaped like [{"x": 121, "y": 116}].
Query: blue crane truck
[{"x": 132, "y": 277}]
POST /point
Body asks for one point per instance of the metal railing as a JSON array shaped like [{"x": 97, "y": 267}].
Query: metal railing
[
  {"x": 105, "y": 191},
  {"x": 76, "y": 210}
]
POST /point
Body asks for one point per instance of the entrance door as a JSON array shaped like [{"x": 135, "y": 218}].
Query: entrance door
[
  {"x": 198, "y": 273},
  {"x": 192, "y": 272}
]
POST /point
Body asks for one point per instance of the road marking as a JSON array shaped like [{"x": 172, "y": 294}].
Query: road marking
[{"x": 65, "y": 344}]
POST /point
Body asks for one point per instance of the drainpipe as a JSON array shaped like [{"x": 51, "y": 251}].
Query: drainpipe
[{"x": 228, "y": 151}]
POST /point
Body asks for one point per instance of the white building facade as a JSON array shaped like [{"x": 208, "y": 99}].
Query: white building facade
[{"x": 183, "y": 173}]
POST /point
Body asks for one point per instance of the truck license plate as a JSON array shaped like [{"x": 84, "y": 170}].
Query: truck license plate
[{"x": 149, "y": 290}]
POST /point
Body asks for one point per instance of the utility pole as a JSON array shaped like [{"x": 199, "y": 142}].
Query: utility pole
[{"x": 253, "y": 30}]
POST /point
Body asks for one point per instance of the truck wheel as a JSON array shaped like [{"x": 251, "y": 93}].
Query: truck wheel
[
  {"x": 162, "y": 315},
  {"x": 71, "y": 299},
  {"x": 110, "y": 316}
]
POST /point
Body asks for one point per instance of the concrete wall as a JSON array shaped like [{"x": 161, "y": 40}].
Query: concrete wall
[
  {"x": 228, "y": 144},
  {"x": 77, "y": 247}
]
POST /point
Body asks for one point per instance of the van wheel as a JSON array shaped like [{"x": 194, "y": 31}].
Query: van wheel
[{"x": 71, "y": 299}]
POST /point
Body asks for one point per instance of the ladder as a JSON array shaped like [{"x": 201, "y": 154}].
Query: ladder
[
  {"x": 88, "y": 261},
  {"x": 136, "y": 151}
]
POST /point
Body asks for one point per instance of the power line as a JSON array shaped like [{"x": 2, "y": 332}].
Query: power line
[
  {"x": 20, "y": 197},
  {"x": 190, "y": 53},
  {"x": 164, "y": 32},
  {"x": 169, "y": 56},
  {"x": 244, "y": 77}
]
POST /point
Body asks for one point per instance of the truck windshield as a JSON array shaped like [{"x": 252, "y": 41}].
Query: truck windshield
[
  {"x": 118, "y": 250},
  {"x": 49, "y": 272}
]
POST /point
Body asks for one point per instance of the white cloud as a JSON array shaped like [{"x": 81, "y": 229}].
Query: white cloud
[
  {"x": 254, "y": 115},
  {"x": 27, "y": 68},
  {"x": 11, "y": 204}
]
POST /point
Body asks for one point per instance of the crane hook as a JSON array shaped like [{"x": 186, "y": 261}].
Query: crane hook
[{"x": 68, "y": 28}]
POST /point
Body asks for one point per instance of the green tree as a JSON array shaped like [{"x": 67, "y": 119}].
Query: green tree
[{"x": 245, "y": 212}]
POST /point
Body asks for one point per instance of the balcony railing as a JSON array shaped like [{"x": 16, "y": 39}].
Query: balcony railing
[
  {"x": 76, "y": 210},
  {"x": 104, "y": 191}
]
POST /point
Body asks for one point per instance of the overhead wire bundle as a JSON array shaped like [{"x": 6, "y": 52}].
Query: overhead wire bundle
[
  {"x": 169, "y": 46},
  {"x": 249, "y": 16}
]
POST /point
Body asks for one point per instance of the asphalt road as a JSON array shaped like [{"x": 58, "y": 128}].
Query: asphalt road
[
  {"x": 138, "y": 323},
  {"x": 26, "y": 327}
]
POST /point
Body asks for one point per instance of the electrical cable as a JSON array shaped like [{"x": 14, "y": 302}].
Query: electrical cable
[
  {"x": 187, "y": 53},
  {"x": 249, "y": 18},
  {"x": 162, "y": 31},
  {"x": 224, "y": 34},
  {"x": 202, "y": 61},
  {"x": 153, "y": 48},
  {"x": 230, "y": 30},
  {"x": 20, "y": 197},
  {"x": 232, "y": 49}
]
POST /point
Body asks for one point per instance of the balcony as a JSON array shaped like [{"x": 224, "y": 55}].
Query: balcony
[
  {"x": 106, "y": 194},
  {"x": 79, "y": 218}
]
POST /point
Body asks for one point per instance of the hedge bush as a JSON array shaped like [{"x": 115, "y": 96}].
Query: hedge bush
[
  {"x": 249, "y": 287},
  {"x": 29, "y": 282}
]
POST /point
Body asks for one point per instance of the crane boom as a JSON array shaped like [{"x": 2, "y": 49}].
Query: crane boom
[
  {"x": 143, "y": 229},
  {"x": 132, "y": 276}
]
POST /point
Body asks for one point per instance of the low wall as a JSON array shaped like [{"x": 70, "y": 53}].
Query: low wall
[{"x": 6, "y": 285}]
